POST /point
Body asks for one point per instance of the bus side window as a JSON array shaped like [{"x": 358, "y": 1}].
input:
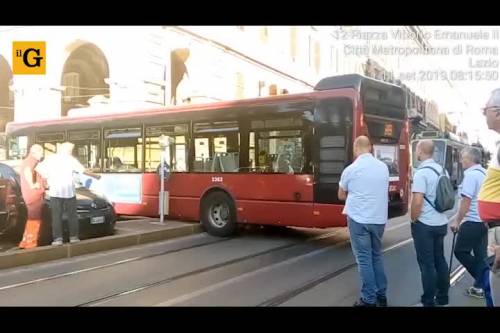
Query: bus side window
[
  {"x": 125, "y": 145},
  {"x": 49, "y": 148},
  {"x": 18, "y": 147},
  {"x": 50, "y": 142},
  {"x": 284, "y": 151},
  {"x": 217, "y": 146},
  {"x": 88, "y": 153},
  {"x": 175, "y": 136}
]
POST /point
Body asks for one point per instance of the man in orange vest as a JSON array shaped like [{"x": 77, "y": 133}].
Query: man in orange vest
[{"x": 33, "y": 195}]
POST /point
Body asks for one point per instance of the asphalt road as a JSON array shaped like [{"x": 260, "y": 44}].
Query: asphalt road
[{"x": 258, "y": 267}]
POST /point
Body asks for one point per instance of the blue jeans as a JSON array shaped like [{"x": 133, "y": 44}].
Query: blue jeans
[
  {"x": 486, "y": 283},
  {"x": 366, "y": 243},
  {"x": 428, "y": 241},
  {"x": 491, "y": 280}
]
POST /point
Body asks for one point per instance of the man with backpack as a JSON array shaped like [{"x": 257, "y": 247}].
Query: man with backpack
[
  {"x": 432, "y": 194},
  {"x": 472, "y": 233}
]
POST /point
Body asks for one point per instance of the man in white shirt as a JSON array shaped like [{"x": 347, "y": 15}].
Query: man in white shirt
[
  {"x": 472, "y": 239},
  {"x": 365, "y": 186},
  {"x": 58, "y": 169}
]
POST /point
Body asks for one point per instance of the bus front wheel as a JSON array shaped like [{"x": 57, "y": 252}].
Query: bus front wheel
[{"x": 218, "y": 214}]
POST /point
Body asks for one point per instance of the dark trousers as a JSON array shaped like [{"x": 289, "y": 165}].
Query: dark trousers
[
  {"x": 472, "y": 237},
  {"x": 58, "y": 207},
  {"x": 428, "y": 241}
]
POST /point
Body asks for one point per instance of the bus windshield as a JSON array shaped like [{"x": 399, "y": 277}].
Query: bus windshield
[
  {"x": 439, "y": 150},
  {"x": 389, "y": 155}
]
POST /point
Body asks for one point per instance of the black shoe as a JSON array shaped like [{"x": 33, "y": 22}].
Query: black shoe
[
  {"x": 441, "y": 302},
  {"x": 361, "y": 303},
  {"x": 381, "y": 301}
]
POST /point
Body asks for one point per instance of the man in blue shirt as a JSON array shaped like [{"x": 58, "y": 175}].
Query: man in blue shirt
[
  {"x": 365, "y": 185},
  {"x": 428, "y": 228},
  {"x": 472, "y": 232}
]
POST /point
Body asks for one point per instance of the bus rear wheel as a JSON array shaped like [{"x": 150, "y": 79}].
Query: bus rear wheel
[{"x": 218, "y": 214}]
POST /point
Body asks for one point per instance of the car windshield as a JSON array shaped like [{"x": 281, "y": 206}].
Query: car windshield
[
  {"x": 81, "y": 181},
  {"x": 8, "y": 172},
  {"x": 78, "y": 183}
]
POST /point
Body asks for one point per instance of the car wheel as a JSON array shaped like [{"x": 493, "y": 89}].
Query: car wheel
[
  {"x": 111, "y": 228},
  {"x": 218, "y": 214}
]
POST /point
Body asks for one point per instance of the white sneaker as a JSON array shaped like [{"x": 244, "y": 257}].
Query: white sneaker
[
  {"x": 74, "y": 240},
  {"x": 475, "y": 292},
  {"x": 57, "y": 242}
]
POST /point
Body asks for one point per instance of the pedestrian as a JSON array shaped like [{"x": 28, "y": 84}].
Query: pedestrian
[
  {"x": 58, "y": 169},
  {"x": 32, "y": 190},
  {"x": 364, "y": 185},
  {"x": 489, "y": 205},
  {"x": 472, "y": 234},
  {"x": 429, "y": 227}
]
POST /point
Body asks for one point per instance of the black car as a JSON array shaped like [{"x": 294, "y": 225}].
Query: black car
[{"x": 96, "y": 215}]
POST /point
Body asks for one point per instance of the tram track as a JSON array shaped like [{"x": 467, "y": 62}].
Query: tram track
[
  {"x": 291, "y": 293},
  {"x": 308, "y": 285},
  {"x": 195, "y": 272},
  {"x": 295, "y": 291},
  {"x": 290, "y": 244},
  {"x": 276, "y": 300},
  {"x": 115, "y": 263},
  {"x": 133, "y": 259}
]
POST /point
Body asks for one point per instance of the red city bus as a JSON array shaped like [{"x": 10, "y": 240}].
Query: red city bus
[{"x": 270, "y": 160}]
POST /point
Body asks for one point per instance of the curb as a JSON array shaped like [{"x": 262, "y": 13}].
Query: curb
[{"x": 48, "y": 253}]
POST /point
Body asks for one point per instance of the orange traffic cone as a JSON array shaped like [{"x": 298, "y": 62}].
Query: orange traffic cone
[{"x": 31, "y": 232}]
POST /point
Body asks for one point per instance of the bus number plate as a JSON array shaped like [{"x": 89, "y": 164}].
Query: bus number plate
[{"x": 217, "y": 179}]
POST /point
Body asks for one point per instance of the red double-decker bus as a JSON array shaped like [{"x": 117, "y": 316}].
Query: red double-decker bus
[{"x": 271, "y": 160}]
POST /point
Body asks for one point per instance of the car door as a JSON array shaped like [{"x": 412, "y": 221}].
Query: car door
[
  {"x": 12, "y": 208},
  {"x": 4, "y": 201}
]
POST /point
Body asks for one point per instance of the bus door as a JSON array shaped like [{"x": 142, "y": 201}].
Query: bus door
[
  {"x": 456, "y": 167},
  {"x": 332, "y": 145},
  {"x": 448, "y": 164}
]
